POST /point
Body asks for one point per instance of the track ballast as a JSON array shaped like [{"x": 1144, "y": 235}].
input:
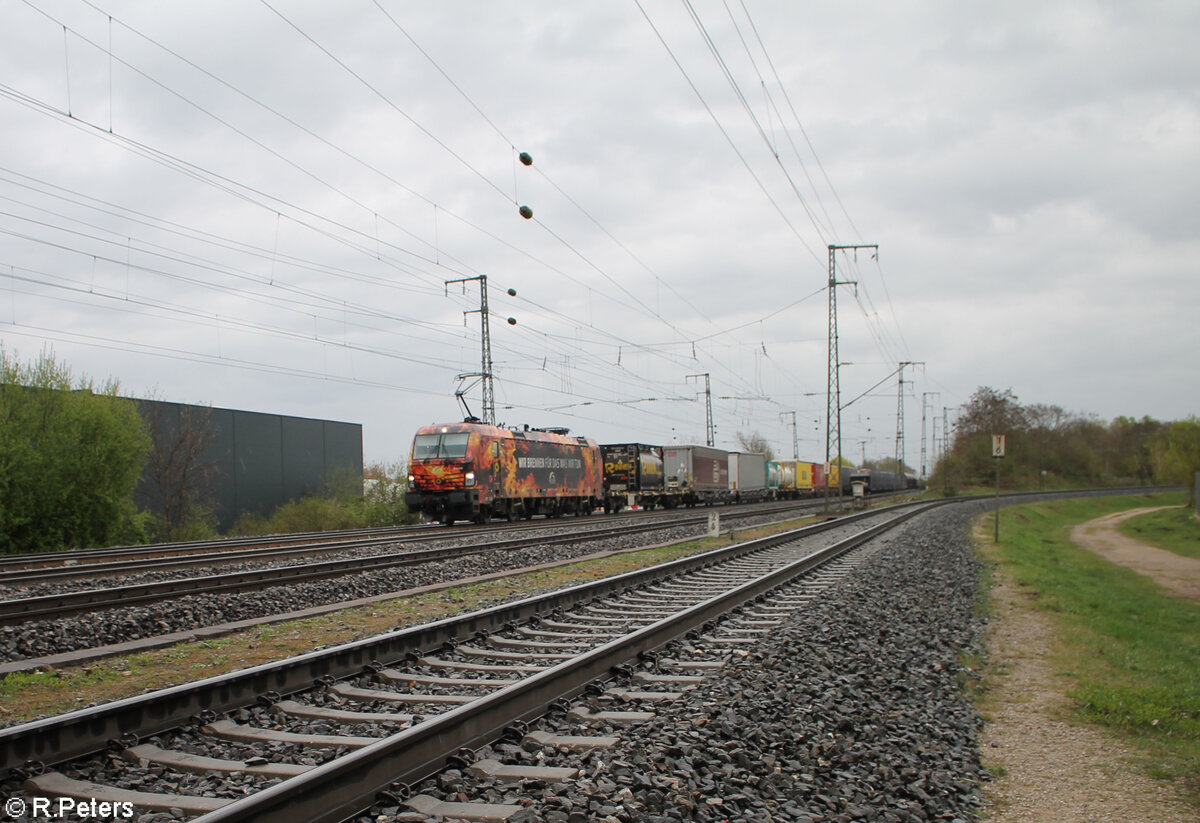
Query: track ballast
[{"x": 481, "y": 658}]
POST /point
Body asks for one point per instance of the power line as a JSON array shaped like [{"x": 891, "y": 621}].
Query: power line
[
  {"x": 362, "y": 242},
  {"x": 725, "y": 134},
  {"x": 716, "y": 54},
  {"x": 386, "y": 100},
  {"x": 178, "y": 164},
  {"x": 796, "y": 117}
]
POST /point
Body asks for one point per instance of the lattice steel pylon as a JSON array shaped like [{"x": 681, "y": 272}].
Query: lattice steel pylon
[
  {"x": 833, "y": 390},
  {"x": 900, "y": 416},
  {"x": 485, "y": 373},
  {"x": 924, "y": 426}
]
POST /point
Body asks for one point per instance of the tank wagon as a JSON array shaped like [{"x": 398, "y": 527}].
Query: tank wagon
[
  {"x": 634, "y": 478},
  {"x": 475, "y": 471},
  {"x": 795, "y": 480},
  {"x": 781, "y": 478}
]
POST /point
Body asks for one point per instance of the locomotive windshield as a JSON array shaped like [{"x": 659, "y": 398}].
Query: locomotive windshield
[{"x": 430, "y": 446}]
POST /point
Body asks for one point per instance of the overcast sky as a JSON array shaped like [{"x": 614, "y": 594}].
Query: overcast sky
[{"x": 258, "y": 205}]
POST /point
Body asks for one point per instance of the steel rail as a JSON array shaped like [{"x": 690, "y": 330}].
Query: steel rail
[
  {"x": 55, "y": 559},
  {"x": 75, "y": 734},
  {"x": 58, "y": 605},
  {"x": 26, "y": 576},
  {"x": 81, "y": 557},
  {"x": 80, "y": 560},
  {"x": 346, "y": 786},
  {"x": 13, "y": 612}
]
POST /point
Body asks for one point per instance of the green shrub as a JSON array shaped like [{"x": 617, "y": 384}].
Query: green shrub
[
  {"x": 342, "y": 505},
  {"x": 71, "y": 453}
]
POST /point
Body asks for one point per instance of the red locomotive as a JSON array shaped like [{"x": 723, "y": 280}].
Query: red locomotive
[{"x": 475, "y": 471}]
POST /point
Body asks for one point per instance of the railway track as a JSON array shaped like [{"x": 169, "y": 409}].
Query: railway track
[
  {"x": 222, "y": 546},
  {"x": 20, "y": 569},
  {"x": 319, "y": 737},
  {"x": 21, "y": 609}
]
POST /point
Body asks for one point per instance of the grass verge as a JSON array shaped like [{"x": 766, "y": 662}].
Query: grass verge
[
  {"x": 1129, "y": 652},
  {"x": 25, "y": 696},
  {"x": 1176, "y": 529}
]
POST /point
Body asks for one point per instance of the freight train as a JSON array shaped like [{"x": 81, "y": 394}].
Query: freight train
[{"x": 475, "y": 471}]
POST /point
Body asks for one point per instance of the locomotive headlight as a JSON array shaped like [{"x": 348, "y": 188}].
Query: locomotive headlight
[
  {"x": 412, "y": 479},
  {"x": 469, "y": 479}
]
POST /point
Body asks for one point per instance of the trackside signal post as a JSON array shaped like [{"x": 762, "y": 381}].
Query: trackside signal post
[{"x": 997, "y": 453}]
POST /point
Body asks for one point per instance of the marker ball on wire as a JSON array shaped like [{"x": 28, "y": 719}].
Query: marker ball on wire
[
  {"x": 526, "y": 212},
  {"x": 526, "y": 158},
  {"x": 512, "y": 292}
]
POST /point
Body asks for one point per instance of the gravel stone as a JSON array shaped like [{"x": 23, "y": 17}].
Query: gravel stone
[
  {"x": 46, "y": 637},
  {"x": 851, "y": 711}
]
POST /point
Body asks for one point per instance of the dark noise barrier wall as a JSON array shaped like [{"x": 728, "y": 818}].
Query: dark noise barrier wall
[{"x": 246, "y": 461}]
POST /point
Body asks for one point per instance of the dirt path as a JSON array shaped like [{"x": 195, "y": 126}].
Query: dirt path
[
  {"x": 1179, "y": 574},
  {"x": 1056, "y": 771}
]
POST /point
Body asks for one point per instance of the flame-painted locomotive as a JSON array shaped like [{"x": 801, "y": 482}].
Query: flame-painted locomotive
[{"x": 474, "y": 471}]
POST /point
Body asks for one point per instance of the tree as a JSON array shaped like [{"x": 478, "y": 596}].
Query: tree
[
  {"x": 1128, "y": 456},
  {"x": 71, "y": 453},
  {"x": 988, "y": 412},
  {"x": 383, "y": 495},
  {"x": 888, "y": 464},
  {"x": 1047, "y": 445},
  {"x": 1176, "y": 454},
  {"x": 180, "y": 469},
  {"x": 755, "y": 444}
]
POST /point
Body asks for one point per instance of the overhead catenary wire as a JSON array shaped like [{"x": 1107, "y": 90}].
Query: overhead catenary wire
[
  {"x": 588, "y": 351},
  {"x": 828, "y": 225},
  {"x": 256, "y": 101},
  {"x": 620, "y": 287},
  {"x": 58, "y": 193},
  {"x": 728, "y": 138},
  {"x": 796, "y": 118},
  {"x": 189, "y": 167},
  {"x": 749, "y": 110},
  {"x": 380, "y": 94}
]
